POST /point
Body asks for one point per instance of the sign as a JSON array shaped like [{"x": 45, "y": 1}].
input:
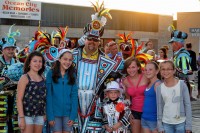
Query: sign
[
  {"x": 194, "y": 30},
  {"x": 20, "y": 9}
]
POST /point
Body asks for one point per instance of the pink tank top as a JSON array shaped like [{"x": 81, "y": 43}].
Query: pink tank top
[{"x": 137, "y": 95}]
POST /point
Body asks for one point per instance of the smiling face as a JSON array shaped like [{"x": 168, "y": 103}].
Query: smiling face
[
  {"x": 167, "y": 70},
  {"x": 91, "y": 44},
  {"x": 36, "y": 63},
  {"x": 65, "y": 61},
  {"x": 9, "y": 52},
  {"x": 150, "y": 71},
  {"x": 132, "y": 69}
]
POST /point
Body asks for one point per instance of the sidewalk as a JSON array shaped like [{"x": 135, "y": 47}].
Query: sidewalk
[{"x": 195, "y": 112}]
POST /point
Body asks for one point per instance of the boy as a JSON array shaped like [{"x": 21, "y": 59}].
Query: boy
[{"x": 116, "y": 113}]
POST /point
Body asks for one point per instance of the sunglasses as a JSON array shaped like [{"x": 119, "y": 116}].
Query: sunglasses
[{"x": 93, "y": 39}]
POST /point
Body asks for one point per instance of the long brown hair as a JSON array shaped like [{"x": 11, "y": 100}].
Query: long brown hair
[
  {"x": 28, "y": 61},
  {"x": 56, "y": 72},
  {"x": 128, "y": 63}
]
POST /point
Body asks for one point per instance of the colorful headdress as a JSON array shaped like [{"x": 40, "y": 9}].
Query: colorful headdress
[
  {"x": 176, "y": 35},
  {"x": 9, "y": 40},
  {"x": 96, "y": 27},
  {"x": 132, "y": 48}
]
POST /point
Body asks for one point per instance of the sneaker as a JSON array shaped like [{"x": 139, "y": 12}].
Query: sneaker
[{"x": 193, "y": 99}]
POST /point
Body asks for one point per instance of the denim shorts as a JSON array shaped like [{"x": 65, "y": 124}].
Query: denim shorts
[
  {"x": 61, "y": 124},
  {"x": 34, "y": 120},
  {"x": 152, "y": 125},
  {"x": 174, "y": 128}
]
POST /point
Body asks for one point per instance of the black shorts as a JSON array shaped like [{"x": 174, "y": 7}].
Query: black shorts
[{"x": 136, "y": 114}]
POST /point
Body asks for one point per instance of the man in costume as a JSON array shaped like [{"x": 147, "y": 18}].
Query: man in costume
[
  {"x": 92, "y": 68},
  {"x": 181, "y": 57},
  {"x": 8, "y": 45}
]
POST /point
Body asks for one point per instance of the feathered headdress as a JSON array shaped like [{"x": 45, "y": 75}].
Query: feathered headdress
[
  {"x": 96, "y": 27},
  {"x": 132, "y": 48},
  {"x": 9, "y": 40}
]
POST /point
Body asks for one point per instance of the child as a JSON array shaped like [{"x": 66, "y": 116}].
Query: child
[
  {"x": 62, "y": 94},
  {"x": 173, "y": 102},
  {"x": 31, "y": 95},
  {"x": 116, "y": 113}
]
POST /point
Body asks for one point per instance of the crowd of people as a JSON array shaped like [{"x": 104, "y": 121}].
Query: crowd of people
[{"x": 84, "y": 89}]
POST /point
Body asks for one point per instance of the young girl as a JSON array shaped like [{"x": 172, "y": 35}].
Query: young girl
[
  {"x": 149, "y": 115},
  {"x": 62, "y": 94},
  {"x": 31, "y": 95},
  {"x": 135, "y": 84},
  {"x": 173, "y": 102}
]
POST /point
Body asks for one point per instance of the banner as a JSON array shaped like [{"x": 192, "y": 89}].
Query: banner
[{"x": 20, "y": 9}]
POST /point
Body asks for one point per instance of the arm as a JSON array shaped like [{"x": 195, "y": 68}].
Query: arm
[
  {"x": 125, "y": 84},
  {"x": 74, "y": 105},
  {"x": 187, "y": 107},
  {"x": 20, "y": 94},
  {"x": 160, "y": 105},
  {"x": 49, "y": 106}
]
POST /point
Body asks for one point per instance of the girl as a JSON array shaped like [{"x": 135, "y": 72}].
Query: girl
[
  {"x": 149, "y": 115},
  {"x": 135, "y": 84},
  {"x": 173, "y": 102},
  {"x": 62, "y": 94},
  {"x": 31, "y": 95}
]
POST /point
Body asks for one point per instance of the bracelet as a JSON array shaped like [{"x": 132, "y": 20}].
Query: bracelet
[{"x": 21, "y": 117}]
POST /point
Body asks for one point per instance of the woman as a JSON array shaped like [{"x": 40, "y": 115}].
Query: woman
[
  {"x": 173, "y": 102},
  {"x": 31, "y": 95},
  {"x": 149, "y": 115},
  {"x": 62, "y": 94},
  {"x": 135, "y": 84},
  {"x": 162, "y": 55}
]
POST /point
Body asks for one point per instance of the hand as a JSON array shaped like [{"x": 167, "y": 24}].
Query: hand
[
  {"x": 52, "y": 123},
  {"x": 45, "y": 117},
  {"x": 187, "y": 131},
  {"x": 131, "y": 119},
  {"x": 108, "y": 129},
  {"x": 22, "y": 124},
  {"x": 70, "y": 123},
  {"x": 116, "y": 126}
]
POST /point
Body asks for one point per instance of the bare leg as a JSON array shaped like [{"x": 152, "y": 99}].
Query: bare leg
[
  {"x": 38, "y": 128},
  {"x": 28, "y": 129}
]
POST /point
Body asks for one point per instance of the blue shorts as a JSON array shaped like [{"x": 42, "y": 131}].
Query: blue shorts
[
  {"x": 34, "y": 120},
  {"x": 61, "y": 124},
  {"x": 152, "y": 125}
]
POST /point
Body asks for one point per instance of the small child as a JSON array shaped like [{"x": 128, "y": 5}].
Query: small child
[{"x": 116, "y": 113}]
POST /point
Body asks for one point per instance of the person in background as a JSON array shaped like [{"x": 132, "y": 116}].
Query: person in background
[
  {"x": 193, "y": 62},
  {"x": 116, "y": 112},
  {"x": 106, "y": 49},
  {"x": 149, "y": 115},
  {"x": 174, "y": 113},
  {"x": 198, "y": 62},
  {"x": 135, "y": 84},
  {"x": 62, "y": 94},
  {"x": 162, "y": 55},
  {"x": 113, "y": 50},
  {"x": 148, "y": 46},
  {"x": 152, "y": 53},
  {"x": 31, "y": 95},
  {"x": 181, "y": 58},
  {"x": 167, "y": 48}
]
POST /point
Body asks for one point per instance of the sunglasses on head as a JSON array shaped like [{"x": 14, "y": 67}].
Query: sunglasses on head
[{"x": 93, "y": 39}]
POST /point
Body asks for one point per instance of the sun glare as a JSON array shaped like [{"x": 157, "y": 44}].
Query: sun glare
[{"x": 164, "y": 7}]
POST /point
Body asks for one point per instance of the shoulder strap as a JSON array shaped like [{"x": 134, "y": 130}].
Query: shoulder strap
[
  {"x": 139, "y": 80},
  {"x": 29, "y": 79},
  {"x": 129, "y": 81}
]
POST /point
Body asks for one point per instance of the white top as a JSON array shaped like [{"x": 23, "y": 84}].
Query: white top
[{"x": 171, "y": 110}]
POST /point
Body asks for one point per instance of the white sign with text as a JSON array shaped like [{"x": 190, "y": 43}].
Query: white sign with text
[{"x": 20, "y": 9}]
